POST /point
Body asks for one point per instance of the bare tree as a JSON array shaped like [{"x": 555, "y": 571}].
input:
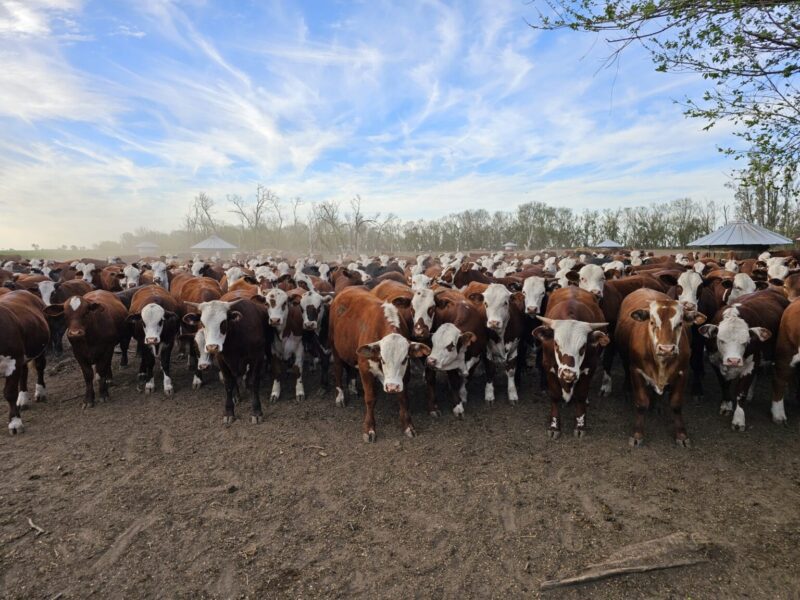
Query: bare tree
[{"x": 199, "y": 220}]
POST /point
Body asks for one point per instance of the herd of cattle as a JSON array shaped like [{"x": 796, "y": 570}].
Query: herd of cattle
[{"x": 566, "y": 315}]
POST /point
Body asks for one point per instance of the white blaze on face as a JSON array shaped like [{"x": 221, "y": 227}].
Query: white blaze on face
[
  {"x": 314, "y": 300},
  {"x": 445, "y": 351},
  {"x": 160, "y": 275},
  {"x": 592, "y": 279},
  {"x": 75, "y": 302},
  {"x": 214, "y": 317},
  {"x": 732, "y": 266},
  {"x": 699, "y": 267},
  {"x": 779, "y": 271},
  {"x": 561, "y": 277},
  {"x": 422, "y": 307},
  {"x": 570, "y": 338},
  {"x": 567, "y": 263},
  {"x": 614, "y": 265},
  {"x": 496, "y": 299},
  {"x": 733, "y": 335},
  {"x": 742, "y": 284},
  {"x": 87, "y": 272},
  {"x": 203, "y": 357},
  {"x": 131, "y": 276},
  {"x": 264, "y": 274},
  {"x": 233, "y": 275},
  {"x": 384, "y": 260},
  {"x": 153, "y": 323},
  {"x": 277, "y": 308},
  {"x": 421, "y": 282},
  {"x": 46, "y": 289},
  {"x": 197, "y": 266},
  {"x": 324, "y": 271},
  {"x": 534, "y": 291},
  {"x": 300, "y": 276},
  {"x": 393, "y": 361},
  {"x": 764, "y": 256},
  {"x": 689, "y": 282}
]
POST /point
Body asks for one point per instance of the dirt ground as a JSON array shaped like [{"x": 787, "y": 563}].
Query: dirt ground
[{"x": 147, "y": 496}]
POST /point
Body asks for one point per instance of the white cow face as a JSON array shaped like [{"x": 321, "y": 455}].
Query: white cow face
[
  {"x": 87, "y": 272},
  {"x": 264, "y": 273},
  {"x": 216, "y": 317},
  {"x": 233, "y": 275},
  {"x": 567, "y": 263},
  {"x": 592, "y": 278},
  {"x": 497, "y": 300},
  {"x": 777, "y": 273},
  {"x": 449, "y": 346},
  {"x": 733, "y": 335},
  {"x": 423, "y": 307},
  {"x": 534, "y": 289},
  {"x": 46, "y": 289},
  {"x": 324, "y": 271},
  {"x": 160, "y": 276},
  {"x": 689, "y": 284},
  {"x": 742, "y": 284},
  {"x": 732, "y": 266},
  {"x": 699, "y": 267},
  {"x": 313, "y": 306},
  {"x": 303, "y": 281},
  {"x": 197, "y": 267},
  {"x": 389, "y": 359},
  {"x": 132, "y": 275},
  {"x": 204, "y": 359},
  {"x": 277, "y": 308},
  {"x": 154, "y": 319},
  {"x": 421, "y": 282}
]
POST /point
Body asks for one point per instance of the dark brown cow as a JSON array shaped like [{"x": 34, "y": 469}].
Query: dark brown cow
[
  {"x": 369, "y": 334},
  {"x": 189, "y": 292},
  {"x": 343, "y": 278},
  {"x": 571, "y": 337},
  {"x": 235, "y": 332},
  {"x": 95, "y": 325},
  {"x": 739, "y": 336},
  {"x": 23, "y": 338},
  {"x": 653, "y": 339},
  {"x": 787, "y": 358},
  {"x": 155, "y": 323}
]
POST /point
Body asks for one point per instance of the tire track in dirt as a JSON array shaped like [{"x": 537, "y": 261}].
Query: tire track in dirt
[{"x": 121, "y": 543}]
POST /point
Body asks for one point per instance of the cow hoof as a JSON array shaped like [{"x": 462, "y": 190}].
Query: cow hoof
[
  {"x": 103, "y": 399},
  {"x": 490, "y": 403},
  {"x": 635, "y": 442},
  {"x": 15, "y": 426},
  {"x": 737, "y": 427},
  {"x": 227, "y": 420},
  {"x": 513, "y": 401},
  {"x": 86, "y": 405},
  {"x": 256, "y": 419},
  {"x": 553, "y": 434},
  {"x": 458, "y": 411},
  {"x": 579, "y": 433},
  {"x": 23, "y": 400},
  {"x": 435, "y": 413},
  {"x": 370, "y": 437},
  {"x": 168, "y": 391},
  {"x": 782, "y": 421},
  {"x": 149, "y": 388},
  {"x": 409, "y": 432},
  {"x": 340, "y": 402},
  {"x": 683, "y": 443},
  {"x": 197, "y": 383},
  {"x": 273, "y": 398},
  {"x": 300, "y": 397}
]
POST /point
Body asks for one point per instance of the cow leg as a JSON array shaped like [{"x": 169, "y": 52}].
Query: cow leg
[
  {"x": 554, "y": 430},
  {"x": 405, "y": 415},
  {"x": 368, "y": 428},
  {"x": 230, "y": 384},
  {"x": 148, "y": 365},
  {"x": 676, "y": 405},
  {"x": 23, "y": 398},
  {"x": 124, "y": 343},
  {"x": 540, "y": 367},
  {"x": 276, "y": 379},
  {"x": 608, "y": 362},
  {"x": 41, "y": 390},
  {"x": 299, "y": 391},
  {"x": 726, "y": 405},
  {"x": 489, "y": 368},
  {"x": 641, "y": 399},
  {"x": 513, "y": 396},
  {"x": 325, "y": 365},
  {"x": 458, "y": 388},
  {"x": 10, "y": 393},
  {"x": 166, "y": 357},
  {"x": 256, "y": 416},
  {"x": 430, "y": 392},
  {"x": 742, "y": 388},
  {"x": 141, "y": 376},
  {"x": 780, "y": 381},
  {"x": 104, "y": 372},
  {"x": 338, "y": 369},
  {"x": 88, "y": 380},
  {"x": 696, "y": 364}
]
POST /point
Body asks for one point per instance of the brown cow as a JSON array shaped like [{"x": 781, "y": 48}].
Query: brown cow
[
  {"x": 787, "y": 357},
  {"x": 571, "y": 337},
  {"x": 653, "y": 339},
  {"x": 95, "y": 324},
  {"x": 193, "y": 290},
  {"x": 23, "y": 338},
  {"x": 369, "y": 334},
  {"x": 155, "y": 323}
]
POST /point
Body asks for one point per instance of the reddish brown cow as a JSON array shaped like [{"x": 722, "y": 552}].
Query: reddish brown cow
[
  {"x": 190, "y": 292},
  {"x": 23, "y": 338},
  {"x": 62, "y": 291},
  {"x": 787, "y": 358},
  {"x": 571, "y": 337},
  {"x": 369, "y": 334},
  {"x": 111, "y": 278},
  {"x": 653, "y": 339},
  {"x": 154, "y": 321},
  {"x": 95, "y": 325}
]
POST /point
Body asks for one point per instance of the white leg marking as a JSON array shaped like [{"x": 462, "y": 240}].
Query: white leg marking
[
  {"x": 458, "y": 409},
  {"x": 299, "y": 392},
  {"x": 15, "y": 426},
  {"x": 150, "y": 386},
  {"x": 167, "y": 385},
  {"x": 778, "y": 412},
  {"x": 726, "y": 408},
  {"x": 605, "y": 387},
  {"x": 276, "y": 391},
  {"x": 488, "y": 394},
  {"x": 41, "y": 392},
  {"x": 196, "y": 383},
  {"x": 513, "y": 397},
  {"x": 23, "y": 399},
  {"x": 580, "y": 421},
  {"x": 738, "y": 419},
  {"x": 339, "y": 396}
]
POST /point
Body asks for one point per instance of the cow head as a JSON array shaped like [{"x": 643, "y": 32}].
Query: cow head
[
  {"x": 666, "y": 319},
  {"x": 216, "y": 318},
  {"x": 277, "y": 308},
  {"x": 160, "y": 275},
  {"x": 204, "y": 359},
  {"x": 46, "y": 289},
  {"x": 592, "y": 278},
  {"x": 570, "y": 341},
  {"x": 534, "y": 290},
  {"x": 155, "y": 322},
  {"x": 423, "y": 306},
  {"x": 87, "y": 272},
  {"x": 732, "y": 266},
  {"x": 497, "y": 301},
  {"x": 733, "y": 335},
  {"x": 420, "y": 282},
  {"x": 130, "y": 276},
  {"x": 449, "y": 346},
  {"x": 77, "y": 311},
  {"x": 389, "y": 357},
  {"x": 688, "y": 289},
  {"x": 233, "y": 275},
  {"x": 741, "y": 285},
  {"x": 312, "y": 306}
]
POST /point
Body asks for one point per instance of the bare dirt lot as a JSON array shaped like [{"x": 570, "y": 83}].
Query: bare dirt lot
[{"x": 146, "y": 496}]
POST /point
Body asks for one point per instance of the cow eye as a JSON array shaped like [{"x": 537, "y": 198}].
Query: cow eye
[
  {"x": 161, "y": 322},
  {"x": 450, "y": 347}
]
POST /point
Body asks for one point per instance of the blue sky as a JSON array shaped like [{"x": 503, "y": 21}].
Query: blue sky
[{"x": 114, "y": 114}]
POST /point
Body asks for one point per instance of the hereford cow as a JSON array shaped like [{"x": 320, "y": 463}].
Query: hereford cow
[
  {"x": 368, "y": 334},
  {"x": 653, "y": 339},
  {"x": 286, "y": 321},
  {"x": 571, "y": 335},
  {"x": 95, "y": 325}
]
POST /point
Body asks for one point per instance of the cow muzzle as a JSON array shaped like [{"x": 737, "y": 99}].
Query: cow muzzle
[
  {"x": 532, "y": 310},
  {"x": 212, "y": 348},
  {"x": 431, "y": 362},
  {"x": 275, "y": 322},
  {"x": 309, "y": 325},
  {"x": 421, "y": 330},
  {"x": 76, "y": 333},
  {"x": 598, "y": 293},
  {"x": 151, "y": 341},
  {"x": 567, "y": 375},
  {"x": 733, "y": 361},
  {"x": 666, "y": 349},
  {"x": 494, "y": 325},
  {"x": 689, "y": 306},
  {"x": 393, "y": 388}
]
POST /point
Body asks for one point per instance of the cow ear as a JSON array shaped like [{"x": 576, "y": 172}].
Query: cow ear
[
  {"x": 519, "y": 298},
  {"x": 191, "y": 318},
  {"x": 327, "y": 298},
  {"x": 640, "y": 315},
  {"x": 551, "y": 284},
  {"x": 371, "y": 351},
  {"x": 727, "y": 283},
  {"x": 96, "y": 306},
  {"x": 668, "y": 278},
  {"x": 762, "y": 285},
  {"x": 250, "y": 279},
  {"x": 708, "y": 331},
  {"x": 441, "y": 302},
  {"x": 476, "y": 297},
  {"x": 234, "y": 316},
  {"x": 258, "y": 299},
  {"x": 417, "y": 350},
  {"x": 295, "y": 299},
  {"x": 761, "y": 333},
  {"x": 542, "y": 333},
  {"x": 119, "y": 275},
  {"x": 401, "y": 302},
  {"x": 599, "y": 338},
  {"x": 694, "y": 317},
  {"x": 54, "y": 310},
  {"x": 466, "y": 339},
  {"x": 302, "y": 283},
  {"x": 572, "y": 276},
  {"x": 170, "y": 316},
  {"x": 775, "y": 281},
  {"x": 134, "y": 318}
]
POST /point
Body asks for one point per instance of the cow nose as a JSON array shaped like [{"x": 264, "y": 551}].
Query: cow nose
[
  {"x": 598, "y": 293},
  {"x": 310, "y": 325},
  {"x": 532, "y": 310},
  {"x": 666, "y": 349},
  {"x": 568, "y": 375},
  {"x": 431, "y": 362},
  {"x": 212, "y": 348},
  {"x": 393, "y": 388},
  {"x": 493, "y": 324},
  {"x": 688, "y": 305},
  {"x": 151, "y": 340},
  {"x": 274, "y": 322},
  {"x": 76, "y": 333},
  {"x": 733, "y": 361}
]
